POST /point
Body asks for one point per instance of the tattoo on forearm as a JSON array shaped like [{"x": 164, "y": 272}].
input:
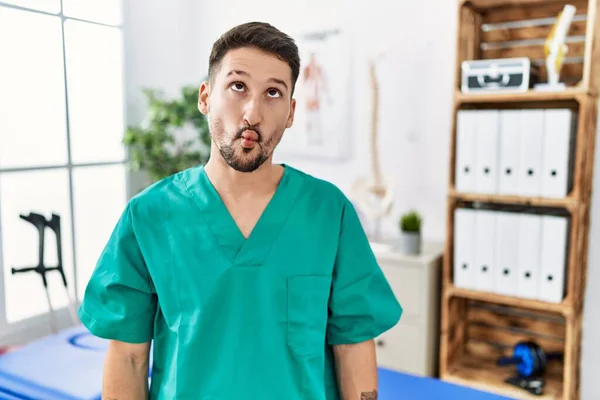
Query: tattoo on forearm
[{"x": 369, "y": 395}]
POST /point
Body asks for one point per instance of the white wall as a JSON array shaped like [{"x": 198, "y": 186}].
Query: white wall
[{"x": 590, "y": 352}]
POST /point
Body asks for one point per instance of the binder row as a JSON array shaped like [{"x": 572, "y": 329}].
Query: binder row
[
  {"x": 526, "y": 152},
  {"x": 511, "y": 253}
]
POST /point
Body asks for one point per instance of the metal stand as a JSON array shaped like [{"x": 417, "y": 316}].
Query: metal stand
[{"x": 377, "y": 237}]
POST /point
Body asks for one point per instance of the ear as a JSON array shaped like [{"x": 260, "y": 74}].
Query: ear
[
  {"x": 290, "y": 120},
  {"x": 203, "y": 95}
]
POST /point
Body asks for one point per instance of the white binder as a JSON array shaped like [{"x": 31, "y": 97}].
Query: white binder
[
  {"x": 486, "y": 151},
  {"x": 557, "y": 156},
  {"x": 464, "y": 228},
  {"x": 530, "y": 152},
  {"x": 529, "y": 249},
  {"x": 553, "y": 258},
  {"x": 510, "y": 125},
  {"x": 465, "y": 151},
  {"x": 485, "y": 226},
  {"x": 506, "y": 251}
]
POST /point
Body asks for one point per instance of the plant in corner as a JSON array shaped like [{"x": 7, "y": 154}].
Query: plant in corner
[
  {"x": 410, "y": 230},
  {"x": 174, "y": 136}
]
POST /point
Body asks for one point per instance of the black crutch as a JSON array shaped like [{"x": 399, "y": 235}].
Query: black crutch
[
  {"x": 54, "y": 224},
  {"x": 40, "y": 222}
]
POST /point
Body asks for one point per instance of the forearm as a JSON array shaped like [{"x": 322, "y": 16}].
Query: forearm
[
  {"x": 356, "y": 368},
  {"x": 124, "y": 377}
]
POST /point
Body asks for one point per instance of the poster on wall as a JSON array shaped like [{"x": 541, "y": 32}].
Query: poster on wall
[{"x": 321, "y": 126}]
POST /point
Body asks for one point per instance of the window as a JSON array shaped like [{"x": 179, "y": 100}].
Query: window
[
  {"x": 49, "y": 6},
  {"x": 61, "y": 125},
  {"x": 32, "y": 96},
  {"x": 94, "y": 91}
]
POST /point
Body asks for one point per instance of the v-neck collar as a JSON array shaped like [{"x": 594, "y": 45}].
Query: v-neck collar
[{"x": 239, "y": 250}]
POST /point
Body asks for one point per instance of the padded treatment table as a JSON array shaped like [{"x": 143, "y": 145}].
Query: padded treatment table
[
  {"x": 68, "y": 366},
  {"x": 399, "y": 386}
]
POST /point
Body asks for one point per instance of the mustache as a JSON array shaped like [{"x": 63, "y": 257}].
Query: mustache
[{"x": 249, "y": 128}]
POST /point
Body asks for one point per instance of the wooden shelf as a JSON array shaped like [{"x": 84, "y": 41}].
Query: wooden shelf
[
  {"x": 486, "y": 4},
  {"x": 476, "y": 326},
  {"x": 568, "y": 203},
  {"x": 484, "y": 375},
  {"x": 570, "y": 94},
  {"x": 564, "y": 309}
]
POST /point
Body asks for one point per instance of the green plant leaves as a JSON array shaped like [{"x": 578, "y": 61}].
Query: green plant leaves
[
  {"x": 155, "y": 147},
  {"x": 410, "y": 222}
]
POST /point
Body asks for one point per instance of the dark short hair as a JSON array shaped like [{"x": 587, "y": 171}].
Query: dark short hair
[{"x": 260, "y": 35}]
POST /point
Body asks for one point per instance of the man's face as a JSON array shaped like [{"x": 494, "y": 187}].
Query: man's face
[{"x": 249, "y": 106}]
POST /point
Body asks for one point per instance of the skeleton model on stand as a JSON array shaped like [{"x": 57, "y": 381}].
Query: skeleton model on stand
[
  {"x": 373, "y": 194},
  {"x": 556, "y": 50}
]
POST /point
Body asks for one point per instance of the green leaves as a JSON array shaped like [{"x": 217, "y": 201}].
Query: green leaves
[
  {"x": 158, "y": 146},
  {"x": 410, "y": 222}
]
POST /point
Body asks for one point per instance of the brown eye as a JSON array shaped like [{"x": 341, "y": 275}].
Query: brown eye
[
  {"x": 237, "y": 86},
  {"x": 274, "y": 93}
]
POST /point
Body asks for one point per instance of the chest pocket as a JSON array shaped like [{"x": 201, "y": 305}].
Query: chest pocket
[{"x": 307, "y": 308}]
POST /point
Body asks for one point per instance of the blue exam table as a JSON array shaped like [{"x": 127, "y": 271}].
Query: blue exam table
[{"x": 68, "y": 365}]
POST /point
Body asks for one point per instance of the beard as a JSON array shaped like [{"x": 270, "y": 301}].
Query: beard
[{"x": 238, "y": 157}]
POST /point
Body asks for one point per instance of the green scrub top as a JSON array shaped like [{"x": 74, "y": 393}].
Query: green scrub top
[{"x": 233, "y": 318}]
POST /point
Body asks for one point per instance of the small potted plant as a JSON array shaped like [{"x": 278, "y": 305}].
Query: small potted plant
[{"x": 410, "y": 232}]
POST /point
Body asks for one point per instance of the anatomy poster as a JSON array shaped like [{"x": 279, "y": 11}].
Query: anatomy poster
[{"x": 321, "y": 125}]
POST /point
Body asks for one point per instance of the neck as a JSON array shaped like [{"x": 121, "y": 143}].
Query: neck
[{"x": 235, "y": 184}]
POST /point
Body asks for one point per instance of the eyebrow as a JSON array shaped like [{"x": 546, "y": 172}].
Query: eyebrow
[{"x": 244, "y": 73}]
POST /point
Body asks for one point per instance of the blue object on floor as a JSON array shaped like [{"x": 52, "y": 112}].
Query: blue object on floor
[
  {"x": 396, "y": 386},
  {"x": 68, "y": 365}
]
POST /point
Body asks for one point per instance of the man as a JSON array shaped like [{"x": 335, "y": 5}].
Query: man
[{"x": 252, "y": 280}]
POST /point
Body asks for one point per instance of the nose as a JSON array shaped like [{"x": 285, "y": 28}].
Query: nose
[{"x": 253, "y": 112}]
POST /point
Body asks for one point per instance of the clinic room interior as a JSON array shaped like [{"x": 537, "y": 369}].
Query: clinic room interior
[{"x": 462, "y": 131}]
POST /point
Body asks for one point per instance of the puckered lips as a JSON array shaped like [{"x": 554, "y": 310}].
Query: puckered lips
[{"x": 249, "y": 139}]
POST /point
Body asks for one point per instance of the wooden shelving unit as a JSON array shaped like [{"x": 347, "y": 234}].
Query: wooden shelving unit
[
  {"x": 564, "y": 308},
  {"x": 477, "y": 327},
  {"x": 474, "y": 372},
  {"x": 569, "y": 203},
  {"x": 570, "y": 94}
]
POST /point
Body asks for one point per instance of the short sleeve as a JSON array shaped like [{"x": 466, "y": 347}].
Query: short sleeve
[
  {"x": 120, "y": 301},
  {"x": 362, "y": 303}
]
